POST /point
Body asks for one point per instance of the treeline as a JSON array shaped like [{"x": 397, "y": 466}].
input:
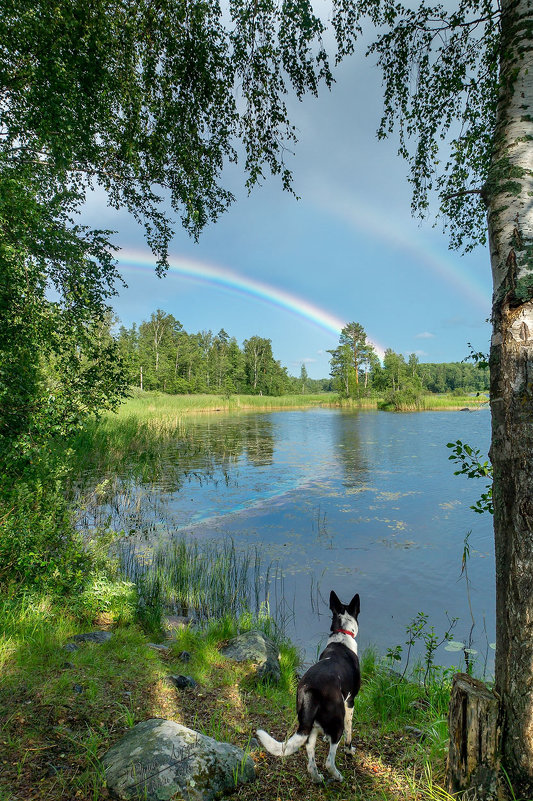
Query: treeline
[
  {"x": 400, "y": 375},
  {"x": 356, "y": 372},
  {"x": 160, "y": 355},
  {"x": 453, "y": 377}
]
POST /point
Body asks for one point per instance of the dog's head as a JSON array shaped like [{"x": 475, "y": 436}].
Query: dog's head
[{"x": 344, "y": 615}]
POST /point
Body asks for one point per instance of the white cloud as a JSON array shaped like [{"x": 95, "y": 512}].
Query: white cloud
[
  {"x": 425, "y": 335},
  {"x": 408, "y": 353}
]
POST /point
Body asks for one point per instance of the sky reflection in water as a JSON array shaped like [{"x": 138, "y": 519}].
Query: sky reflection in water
[{"x": 353, "y": 501}]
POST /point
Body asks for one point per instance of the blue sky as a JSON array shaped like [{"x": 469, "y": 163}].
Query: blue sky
[{"x": 349, "y": 246}]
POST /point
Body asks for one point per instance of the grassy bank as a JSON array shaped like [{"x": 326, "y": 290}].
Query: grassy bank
[
  {"x": 144, "y": 425},
  {"x": 437, "y": 403},
  {"x": 424, "y": 403},
  {"x": 150, "y": 405},
  {"x": 62, "y": 711}
]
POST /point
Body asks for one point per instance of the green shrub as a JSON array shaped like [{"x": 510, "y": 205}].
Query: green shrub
[
  {"x": 39, "y": 546},
  {"x": 103, "y": 594},
  {"x": 409, "y": 397}
]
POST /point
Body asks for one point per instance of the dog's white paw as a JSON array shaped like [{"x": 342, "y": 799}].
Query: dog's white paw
[
  {"x": 349, "y": 749},
  {"x": 336, "y": 775},
  {"x": 317, "y": 777}
]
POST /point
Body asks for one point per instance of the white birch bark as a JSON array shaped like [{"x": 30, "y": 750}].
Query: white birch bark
[{"x": 509, "y": 193}]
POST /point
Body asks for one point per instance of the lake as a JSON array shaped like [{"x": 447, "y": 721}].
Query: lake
[{"x": 356, "y": 501}]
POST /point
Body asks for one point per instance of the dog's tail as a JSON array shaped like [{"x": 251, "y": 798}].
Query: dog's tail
[
  {"x": 286, "y": 748},
  {"x": 307, "y": 709}
]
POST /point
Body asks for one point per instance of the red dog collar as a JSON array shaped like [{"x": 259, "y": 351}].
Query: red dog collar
[{"x": 343, "y": 631}]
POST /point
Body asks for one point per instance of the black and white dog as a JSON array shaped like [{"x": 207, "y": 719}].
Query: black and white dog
[{"x": 326, "y": 694}]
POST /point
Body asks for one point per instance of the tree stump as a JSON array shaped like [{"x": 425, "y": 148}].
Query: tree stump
[{"x": 474, "y": 751}]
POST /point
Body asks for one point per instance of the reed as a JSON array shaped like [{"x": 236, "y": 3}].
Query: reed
[
  {"x": 138, "y": 433},
  {"x": 205, "y": 581},
  {"x": 434, "y": 403},
  {"x": 148, "y": 404}
]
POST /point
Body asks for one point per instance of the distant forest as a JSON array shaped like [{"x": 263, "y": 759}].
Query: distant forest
[{"x": 160, "y": 355}]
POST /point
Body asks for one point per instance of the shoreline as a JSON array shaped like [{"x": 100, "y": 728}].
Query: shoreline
[
  {"x": 154, "y": 404},
  {"x": 77, "y": 704}
]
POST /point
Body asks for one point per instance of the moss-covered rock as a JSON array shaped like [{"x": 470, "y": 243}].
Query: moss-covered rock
[
  {"x": 255, "y": 647},
  {"x": 159, "y": 760}
]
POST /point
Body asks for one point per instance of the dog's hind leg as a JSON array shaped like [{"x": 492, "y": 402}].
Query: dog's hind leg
[
  {"x": 310, "y": 748},
  {"x": 348, "y": 717},
  {"x": 330, "y": 762}
]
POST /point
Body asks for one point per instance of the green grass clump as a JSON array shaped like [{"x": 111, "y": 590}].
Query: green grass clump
[
  {"x": 207, "y": 580},
  {"x": 394, "y": 702}
]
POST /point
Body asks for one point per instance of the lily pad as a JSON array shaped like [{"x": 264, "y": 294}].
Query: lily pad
[{"x": 453, "y": 645}]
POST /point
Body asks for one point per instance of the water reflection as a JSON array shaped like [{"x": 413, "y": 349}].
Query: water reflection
[
  {"x": 351, "y": 501},
  {"x": 259, "y": 441},
  {"x": 350, "y": 451}
]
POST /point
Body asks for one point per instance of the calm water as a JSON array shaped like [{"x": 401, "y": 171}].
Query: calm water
[{"x": 353, "y": 501}]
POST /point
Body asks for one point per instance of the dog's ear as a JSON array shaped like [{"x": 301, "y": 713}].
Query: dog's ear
[
  {"x": 354, "y": 607},
  {"x": 334, "y": 604}
]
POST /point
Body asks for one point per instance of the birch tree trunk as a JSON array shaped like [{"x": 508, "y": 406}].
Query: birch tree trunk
[{"x": 509, "y": 193}]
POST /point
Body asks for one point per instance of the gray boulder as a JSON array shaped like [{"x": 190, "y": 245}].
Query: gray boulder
[
  {"x": 91, "y": 636},
  {"x": 159, "y": 760},
  {"x": 173, "y": 623},
  {"x": 181, "y": 682},
  {"x": 256, "y": 647},
  {"x": 156, "y": 646}
]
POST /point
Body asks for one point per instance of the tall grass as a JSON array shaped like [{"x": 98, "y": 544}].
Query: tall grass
[
  {"x": 205, "y": 581},
  {"x": 434, "y": 403},
  {"x": 157, "y": 403}
]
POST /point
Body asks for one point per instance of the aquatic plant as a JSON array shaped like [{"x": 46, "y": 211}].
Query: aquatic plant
[{"x": 203, "y": 580}]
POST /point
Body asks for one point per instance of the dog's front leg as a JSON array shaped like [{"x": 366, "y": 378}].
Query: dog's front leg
[{"x": 348, "y": 716}]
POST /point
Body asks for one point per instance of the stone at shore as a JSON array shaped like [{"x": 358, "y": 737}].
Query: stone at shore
[
  {"x": 156, "y": 646},
  {"x": 159, "y": 760},
  {"x": 182, "y": 682},
  {"x": 184, "y": 656},
  {"x": 172, "y": 624},
  {"x": 98, "y": 637},
  {"x": 255, "y": 647}
]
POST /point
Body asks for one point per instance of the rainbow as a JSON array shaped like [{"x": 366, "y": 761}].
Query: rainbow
[
  {"x": 215, "y": 275},
  {"x": 370, "y": 222}
]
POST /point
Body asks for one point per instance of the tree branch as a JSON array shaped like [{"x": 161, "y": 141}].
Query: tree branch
[{"x": 463, "y": 192}]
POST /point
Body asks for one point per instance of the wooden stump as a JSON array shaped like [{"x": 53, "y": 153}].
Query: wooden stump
[{"x": 474, "y": 722}]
